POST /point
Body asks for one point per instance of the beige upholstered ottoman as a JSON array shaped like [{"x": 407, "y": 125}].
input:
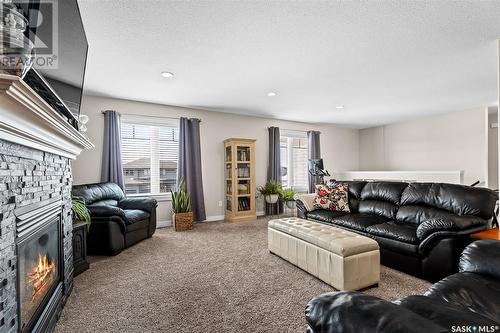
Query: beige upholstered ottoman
[{"x": 343, "y": 259}]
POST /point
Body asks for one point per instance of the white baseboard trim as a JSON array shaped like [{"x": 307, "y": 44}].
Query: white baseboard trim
[
  {"x": 213, "y": 218},
  {"x": 163, "y": 224},
  {"x": 168, "y": 223}
]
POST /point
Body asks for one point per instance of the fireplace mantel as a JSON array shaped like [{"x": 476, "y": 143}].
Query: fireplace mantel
[{"x": 26, "y": 119}]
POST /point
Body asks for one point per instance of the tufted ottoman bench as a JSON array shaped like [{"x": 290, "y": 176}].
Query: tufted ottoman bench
[{"x": 343, "y": 259}]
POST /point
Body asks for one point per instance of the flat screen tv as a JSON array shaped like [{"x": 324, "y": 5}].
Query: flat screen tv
[{"x": 58, "y": 71}]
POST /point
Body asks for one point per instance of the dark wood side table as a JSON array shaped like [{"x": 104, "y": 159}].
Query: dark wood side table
[
  {"x": 493, "y": 234},
  {"x": 80, "y": 263}
]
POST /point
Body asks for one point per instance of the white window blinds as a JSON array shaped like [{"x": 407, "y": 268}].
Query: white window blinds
[
  {"x": 150, "y": 148},
  {"x": 293, "y": 149}
]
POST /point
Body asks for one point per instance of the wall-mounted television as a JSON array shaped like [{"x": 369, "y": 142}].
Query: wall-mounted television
[{"x": 58, "y": 72}]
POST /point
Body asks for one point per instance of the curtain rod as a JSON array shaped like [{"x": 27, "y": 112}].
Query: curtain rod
[
  {"x": 297, "y": 130},
  {"x": 143, "y": 115}
]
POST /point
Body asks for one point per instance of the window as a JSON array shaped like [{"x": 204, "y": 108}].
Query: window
[
  {"x": 293, "y": 149},
  {"x": 150, "y": 147}
]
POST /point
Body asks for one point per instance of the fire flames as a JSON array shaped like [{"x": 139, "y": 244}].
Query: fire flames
[{"x": 41, "y": 276}]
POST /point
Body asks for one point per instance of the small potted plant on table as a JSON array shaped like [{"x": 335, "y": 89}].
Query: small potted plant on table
[{"x": 182, "y": 216}]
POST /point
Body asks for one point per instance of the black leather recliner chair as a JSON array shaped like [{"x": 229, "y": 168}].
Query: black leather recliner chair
[
  {"x": 458, "y": 303},
  {"x": 421, "y": 228},
  {"x": 117, "y": 222}
]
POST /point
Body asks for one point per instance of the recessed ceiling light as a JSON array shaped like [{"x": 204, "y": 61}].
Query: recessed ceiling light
[
  {"x": 168, "y": 75},
  {"x": 339, "y": 107},
  {"x": 271, "y": 94}
]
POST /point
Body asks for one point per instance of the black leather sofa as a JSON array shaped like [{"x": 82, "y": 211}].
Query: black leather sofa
[
  {"x": 421, "y": 228},
  {"x": 468, "y": 301},
  {"x": 117, "y": 222}
]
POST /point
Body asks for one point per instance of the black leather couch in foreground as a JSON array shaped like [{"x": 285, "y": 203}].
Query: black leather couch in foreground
[
  {"x": 421, "y": 228},
  {"x": 117, "y": 222},
  {"x": 458, "y": 303}
]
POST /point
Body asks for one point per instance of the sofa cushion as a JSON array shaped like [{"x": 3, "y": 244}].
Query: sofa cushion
[
  {"x": 91, "y": 193},
  {"x": 355, "y": 188},
  {"x": 383, "y": 191},
  {"x": 141, "y": 224},
  {"x": 393, "y": 230},
  {"x": 358, "y": 221},
  {"x": 443, "y": 313},
  {"x": 413, "y": 214},
  {"x": 324, "y": 215},
  {"x": 398, "y": 247},
  {"x": 323, "y": 199},
  {"x": 134, "y": 215},
  {"x": 457, "y": 199},
  {"x": 471, "y": 291},
  {"x": 381, "y": 198},
  {"x": 333, "y": 197},
  {"x": 109, "y": 202}
]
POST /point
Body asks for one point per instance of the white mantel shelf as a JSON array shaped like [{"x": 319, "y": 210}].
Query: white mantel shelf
[{"x": 26, "y": 119}]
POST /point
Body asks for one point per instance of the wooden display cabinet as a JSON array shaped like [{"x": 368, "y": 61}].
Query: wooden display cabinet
[{"x": 239, "y": 179}]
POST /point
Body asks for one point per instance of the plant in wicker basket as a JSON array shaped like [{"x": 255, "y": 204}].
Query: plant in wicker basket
[{"x": 181, "y": 208}]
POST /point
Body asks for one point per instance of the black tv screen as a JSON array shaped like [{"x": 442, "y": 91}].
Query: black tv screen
[{"x": 60, "y": 43}]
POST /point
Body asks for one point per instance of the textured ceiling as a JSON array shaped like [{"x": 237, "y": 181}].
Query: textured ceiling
[{"x": 384, "y": 60}]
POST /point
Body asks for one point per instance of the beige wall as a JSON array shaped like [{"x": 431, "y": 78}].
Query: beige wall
[
  {"x": 371, "y": 149},
  {"x": 339, "y": 146},
  {"x": 452, "y": 141}
]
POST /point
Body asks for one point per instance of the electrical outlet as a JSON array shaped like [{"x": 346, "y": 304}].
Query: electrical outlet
[{"x": 220, "y": 203}]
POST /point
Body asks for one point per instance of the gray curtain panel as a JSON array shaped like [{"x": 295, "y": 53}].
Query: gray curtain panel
[
  {"x": 112, "y": 170},
  {"x": 274, "y": 166},
  {"x": 189, "y": 165},
  {"x": 313, "y": 152}
]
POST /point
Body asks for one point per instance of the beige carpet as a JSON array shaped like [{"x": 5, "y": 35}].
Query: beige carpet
[{"x": 219, "y": 277}]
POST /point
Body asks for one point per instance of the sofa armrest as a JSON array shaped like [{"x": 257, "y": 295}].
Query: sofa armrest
[
  {"x": 455, "y": 224},
  {"x": 142, "y": 203},
  {"x": 356, "y": 312},
  {"x": 105, "y": 211},
  {"x": 481, "y": 257}
]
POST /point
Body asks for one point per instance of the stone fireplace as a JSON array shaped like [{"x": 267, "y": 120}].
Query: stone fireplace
[{"x": 36, "y": 260}]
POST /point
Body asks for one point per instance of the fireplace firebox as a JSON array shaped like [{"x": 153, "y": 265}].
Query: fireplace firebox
[{"x": 40, "y": 264}]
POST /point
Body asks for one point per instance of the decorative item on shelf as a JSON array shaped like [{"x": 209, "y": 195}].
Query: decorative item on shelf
[
  {"x": 83, "y": 119},
  {"x": 271, "y": 191},
  {"x": 289, "y": 198},
  {"x": 16, "y": 50},
  {"x": 182, "y": 216}
]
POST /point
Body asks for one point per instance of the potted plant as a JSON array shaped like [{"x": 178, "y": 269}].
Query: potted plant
[
  {"x": 80, "y": 212},
  {"x": 271, "y": 191},
  {"x": 289, "y": 197},
  {"x": 182, "y": 214}
]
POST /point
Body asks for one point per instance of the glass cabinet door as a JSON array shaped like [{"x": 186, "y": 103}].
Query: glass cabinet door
[
  {"x": 243, "y": 178},
  {"x": 228, "y": 177},
  {"x": 243, "y": 154}
]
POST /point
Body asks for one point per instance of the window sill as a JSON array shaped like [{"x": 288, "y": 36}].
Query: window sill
[{"x": 158, "y": 197}]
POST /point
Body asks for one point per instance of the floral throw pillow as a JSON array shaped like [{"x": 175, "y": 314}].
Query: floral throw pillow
[{"x": 334, "y": 198}]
